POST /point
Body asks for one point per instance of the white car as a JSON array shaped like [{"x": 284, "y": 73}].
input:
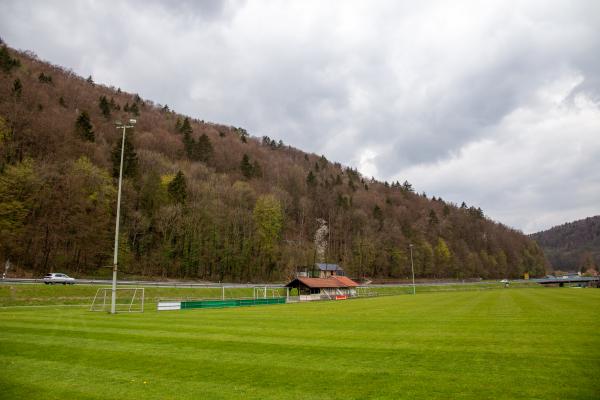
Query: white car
[{"x": 51, "y": 279}]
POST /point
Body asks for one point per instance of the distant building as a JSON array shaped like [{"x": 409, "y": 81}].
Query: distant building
[
  {"x": 327, "y": 270},
  {"x": 321, "y": 270},
  {"x": 331, "y": 288}
]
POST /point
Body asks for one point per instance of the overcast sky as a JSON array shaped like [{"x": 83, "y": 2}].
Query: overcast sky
[{"x": 494, "y": 103}]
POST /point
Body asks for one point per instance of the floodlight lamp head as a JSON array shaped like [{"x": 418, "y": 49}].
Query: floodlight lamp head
[
  {"x": 118, "y": 123},
  {"x": 132, "y": 121}
]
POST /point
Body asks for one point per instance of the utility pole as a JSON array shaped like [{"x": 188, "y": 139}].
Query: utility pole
[
  {"x": 412, "y": 266},
  {"x": 113, "y": 300}
]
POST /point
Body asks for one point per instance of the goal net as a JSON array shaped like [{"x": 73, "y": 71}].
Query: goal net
[
  {"x": 127, "y": 300},
  {"x": 267, "y": 292}
]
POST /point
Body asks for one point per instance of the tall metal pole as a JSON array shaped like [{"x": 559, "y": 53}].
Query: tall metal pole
[
  {"x": 113, "y": 300},
  {"x": 412, "y": 266}
]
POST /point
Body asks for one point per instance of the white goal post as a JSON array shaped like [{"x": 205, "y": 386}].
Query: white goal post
[
  {"x": 128, "y": 300},
  {"x": 269, "y": 291}
]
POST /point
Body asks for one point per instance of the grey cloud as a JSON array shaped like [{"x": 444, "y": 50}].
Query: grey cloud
[{"x": 411, "y": 86}]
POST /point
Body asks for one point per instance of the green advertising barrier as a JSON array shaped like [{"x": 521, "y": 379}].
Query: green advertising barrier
[{"x": 231, "y": 303}]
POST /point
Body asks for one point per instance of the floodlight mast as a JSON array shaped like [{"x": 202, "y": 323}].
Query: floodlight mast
[
  {"x": 113, "y": 300},
  {"x": 412, "y": 267}
]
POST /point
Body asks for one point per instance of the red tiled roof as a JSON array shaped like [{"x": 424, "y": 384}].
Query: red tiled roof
[
  {"x": 346, "y": 281},
  {"x": 331, "y": 282}
]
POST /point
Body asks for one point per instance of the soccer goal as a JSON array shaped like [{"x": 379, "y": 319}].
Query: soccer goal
[
  {"x": 128, "y": 300},
  {"x": 266, "y": 292}
]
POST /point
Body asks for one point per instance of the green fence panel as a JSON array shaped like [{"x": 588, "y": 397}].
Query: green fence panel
[{"x": 232, "y": 303}]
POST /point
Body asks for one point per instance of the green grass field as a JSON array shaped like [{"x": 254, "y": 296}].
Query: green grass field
[{"x": 485, "y": 344}]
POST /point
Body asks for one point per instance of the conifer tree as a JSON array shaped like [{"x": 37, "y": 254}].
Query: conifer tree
[
  {"x": 203, "y": 149},
  {"x": 186, "y": 127},
  {"x": 83, "y": 127},
  {"x": 104, "y": 106},
  {"x": 311, "y": 179},
  {"x": 17, "y": 89},
  {"x": 188, "y": 141},
  {"x": 7, "y": 63},
  {"x": 243, "y": 134},
  {"x": 433, "y": 218},
  {"x": 114, "y": 105},
  {"x": 130, "y": 162},
  {"x": 43, "y": 78},
  {"x": 246, "y": 167},
  {"x": 178, "y": 188},
  {"x": 134, "y": 109},
  {"x": 378, "y": 215}
]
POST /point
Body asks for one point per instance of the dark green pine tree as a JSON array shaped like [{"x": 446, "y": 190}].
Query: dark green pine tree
[
  {"x": 246, "y": 167},
  {"x": 104, "y": 106},
  {"x": 178, "y": 188},
  {"x": 203, "y": 149},
  {"x": 7, "y": 63},
  {"x": 188, "y": 141},
  {"x": 433, "y": 218},
  {"x": 83, "y": 127},
  {"x": 130, "y": 161},
  {"x": 17, "y": 89},
  {"x": 378, "y": 215},
  {"x": 134, "y": 109},
  {"x": 114, "y": 105},
  {"x": 43, "y": 78},
  {"x": 243, "y": 134},
  {"x": 311, "y": 179},
  {"x": 186, "y": 127}
]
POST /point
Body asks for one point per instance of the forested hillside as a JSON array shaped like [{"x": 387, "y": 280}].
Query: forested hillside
[
  {"x": 208, "y": 201},
  {"x": 572, "y": 246}
]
